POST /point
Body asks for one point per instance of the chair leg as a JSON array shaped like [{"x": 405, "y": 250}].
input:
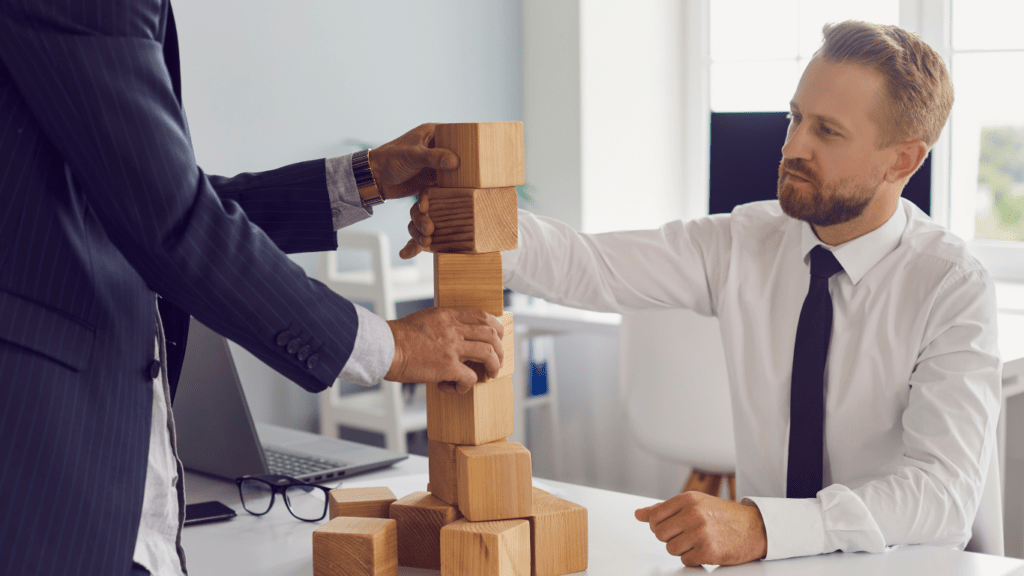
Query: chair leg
[{"x": 703, "y": 482}]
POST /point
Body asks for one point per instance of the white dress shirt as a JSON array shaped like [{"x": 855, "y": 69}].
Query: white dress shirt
[{"x": 913, "y": 372}]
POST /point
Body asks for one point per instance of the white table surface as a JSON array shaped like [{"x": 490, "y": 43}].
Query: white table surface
[{"x": 279, "y": 545}]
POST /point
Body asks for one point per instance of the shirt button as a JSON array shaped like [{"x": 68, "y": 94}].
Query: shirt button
[
  {"x": 154, "y": 369},
  {"x": 293, "y": 346},
  {"x": 303, "y": 353},
  {"x": 284, "y": 337},
  {"x": 312, "y": 361}
]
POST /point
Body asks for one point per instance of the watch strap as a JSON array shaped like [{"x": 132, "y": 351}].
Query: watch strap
[{"x": 364, "y": 177}]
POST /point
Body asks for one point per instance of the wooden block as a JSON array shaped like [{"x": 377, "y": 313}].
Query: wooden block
[
  {"x": 360, "y": 502},
  {"x": 444, "y": 471},
  {"x": 356, "y": 547},
  {"x": 508, "y": 344},
  {"x": 469, "y": 282},
  {"x": 499, "y": 548},
  {"x": 558, "y": 535},
  {"x": 482, "y": 415},
  {"x": 473, "y": 220},
  {"x": 495, "y": 481},
  {"x": 420, "y": 517},
  {"x": 491, "y": 154}
]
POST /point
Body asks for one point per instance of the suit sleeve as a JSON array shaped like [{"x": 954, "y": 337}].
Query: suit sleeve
[{"x": 101, "y": 91}]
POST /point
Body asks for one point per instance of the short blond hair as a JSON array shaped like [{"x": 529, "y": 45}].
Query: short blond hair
[{"x": 917, "y": 84}]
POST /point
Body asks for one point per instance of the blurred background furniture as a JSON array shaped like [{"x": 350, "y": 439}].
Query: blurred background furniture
[
  {"x": 676, "y": 389},
  {"x": 391, "y": 409}
]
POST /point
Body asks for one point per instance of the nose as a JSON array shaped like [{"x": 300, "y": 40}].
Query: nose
[{"x": 797, "y": 143}]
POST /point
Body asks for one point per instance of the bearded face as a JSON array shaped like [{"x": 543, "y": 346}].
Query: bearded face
[{"x": 805, "y": 195}]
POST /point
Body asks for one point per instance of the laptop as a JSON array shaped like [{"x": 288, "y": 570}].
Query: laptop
[{"x": 216, "y": 433}]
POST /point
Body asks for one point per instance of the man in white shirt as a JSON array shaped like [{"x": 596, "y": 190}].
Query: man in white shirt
[{"x": 908, "y": 372}]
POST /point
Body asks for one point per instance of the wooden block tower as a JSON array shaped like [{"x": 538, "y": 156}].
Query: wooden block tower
[
  {"x": 472, "y": 464},
  {"x": 480, "y": 515}
]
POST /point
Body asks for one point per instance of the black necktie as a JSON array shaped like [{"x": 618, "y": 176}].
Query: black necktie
[{"x": 807, "y": 391}]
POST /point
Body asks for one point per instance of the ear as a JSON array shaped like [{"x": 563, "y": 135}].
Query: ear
[{"x": 909, "y": 156}]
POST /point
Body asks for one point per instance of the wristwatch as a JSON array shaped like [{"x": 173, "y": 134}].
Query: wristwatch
[{"x": 369, "y": 190}]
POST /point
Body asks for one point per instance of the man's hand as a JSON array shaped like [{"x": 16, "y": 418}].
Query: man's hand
[
  {"x": 420, "y": 228},
  {"x": 408, "y": 164},
  {"x": 432, "y": 345},
  {"x": 703, "y": 529}
]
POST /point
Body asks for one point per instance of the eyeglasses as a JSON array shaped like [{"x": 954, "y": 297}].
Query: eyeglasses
[{"x": 307, "y": 502}]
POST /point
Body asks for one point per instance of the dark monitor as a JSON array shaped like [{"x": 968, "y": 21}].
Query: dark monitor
[{"x": 745, "y": 151}]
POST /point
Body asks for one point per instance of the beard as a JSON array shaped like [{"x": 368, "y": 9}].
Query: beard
[{"x": 825, "y": 203}]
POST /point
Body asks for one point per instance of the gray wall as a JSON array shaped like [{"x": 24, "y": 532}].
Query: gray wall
[{"x": 269, "y": 82}]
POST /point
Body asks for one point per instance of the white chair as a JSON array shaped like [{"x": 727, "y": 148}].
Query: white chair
[
  {"x": 383, "y": 411},
  {"x": 987, "y": 530},
  {"x": 676, "y": 390}
]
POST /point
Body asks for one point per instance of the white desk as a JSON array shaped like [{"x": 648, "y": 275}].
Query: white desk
[{"x": 279, "y": 545}]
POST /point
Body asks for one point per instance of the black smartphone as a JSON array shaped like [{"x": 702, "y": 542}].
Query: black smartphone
[{"x": 211, "y": 511}]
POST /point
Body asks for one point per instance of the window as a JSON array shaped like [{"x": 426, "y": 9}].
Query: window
[{"x": 987, "y": 129}]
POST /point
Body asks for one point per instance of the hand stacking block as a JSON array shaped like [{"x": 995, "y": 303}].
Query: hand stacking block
[
  {"x": 491, "y": 154},
  {"x": 508, "y": 345},
  {"x": 482, "y": 415},
  {"x": 500, "y": 548},
  {"x": 473, "y": 220},
  {"x": 444, "y": 471},
  {"x": 360, "y": 502},
  {"x": 495, "y": 481},
  {"x": 356, "y": 547},
  {"x": 558, "y": 535},
  {"x": 420, "y": 517},
  {"x": 469, "y": 282}
]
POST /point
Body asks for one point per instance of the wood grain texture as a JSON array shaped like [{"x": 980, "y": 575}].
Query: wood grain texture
[
  {"x": 491, "y": 154},
  {"x": 499, "y": 548},
  {"x": 360, "y": 502},
  {"x": 508, "y": 345},
  {"x": 482, "y": 415},
  {"x": 558, "y": 535},
  {"x": 420, "y": 517},
  {"x": 444, "y": 471},
  {"x": 356, "y": 547},
  {"x": 495, "y": 481},
  {"x": 469, "y": 282},
  {"x": 473, "y": 220}
]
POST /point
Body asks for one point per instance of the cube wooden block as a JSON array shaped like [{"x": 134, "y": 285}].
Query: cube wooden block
[
  {"x": 473, "y": 220},
  {"x": 420, "y": 517},
  {"x": 499, "y": 548},
  {"x": 495, "y": 481},
  {"x": 482, "y": 415},
  {"x": 469, "y": 282},
  {"x": 491, "y": 154},
  {"x": 444, "y": 471},
  {"x": 558, "y": 535},
  {"x": 508, "y": 345},
  {"x": 360, "y": 502},
  {"x": 356, "y": 547}
]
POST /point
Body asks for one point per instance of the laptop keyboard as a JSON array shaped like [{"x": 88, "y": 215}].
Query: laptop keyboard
[{"x": 296, "y": 466}]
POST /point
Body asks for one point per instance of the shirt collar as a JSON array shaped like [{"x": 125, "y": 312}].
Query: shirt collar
[{"x": 860, "y": 255}]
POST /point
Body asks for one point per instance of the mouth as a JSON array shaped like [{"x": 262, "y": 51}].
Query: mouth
[{"x": 797, "y": 177}]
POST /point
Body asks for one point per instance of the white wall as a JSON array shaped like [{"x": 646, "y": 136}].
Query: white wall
[{"x": 270, "y": 82}]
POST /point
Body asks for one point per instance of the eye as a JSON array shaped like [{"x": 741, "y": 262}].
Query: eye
[
  {"x": 824, "y": 129},
  {"x": 793, "y": 117}
]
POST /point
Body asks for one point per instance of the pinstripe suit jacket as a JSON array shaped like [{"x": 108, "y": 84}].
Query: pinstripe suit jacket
[{"x": 102, "y": 207}]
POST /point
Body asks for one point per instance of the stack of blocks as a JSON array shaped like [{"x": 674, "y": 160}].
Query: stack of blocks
[{"x": 481, "y": 514}]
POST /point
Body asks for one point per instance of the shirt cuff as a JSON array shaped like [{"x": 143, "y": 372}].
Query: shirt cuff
[
  {"x": 373, "y": 352},
  {"x": 346, "y": 205},
  {"x": 793, "y": 526}
]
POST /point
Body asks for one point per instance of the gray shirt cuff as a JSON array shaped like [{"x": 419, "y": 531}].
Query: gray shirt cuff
[
  {"x": 373, "y": 352},
  {"x": 346, "y": 205}
]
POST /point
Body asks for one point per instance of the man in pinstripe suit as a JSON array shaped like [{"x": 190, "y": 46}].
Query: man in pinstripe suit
[{"x": 103, "y": 213}]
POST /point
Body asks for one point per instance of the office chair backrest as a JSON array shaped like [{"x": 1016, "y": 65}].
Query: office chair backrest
[
  {"x": 676, "y": 389},
  {"x": 987, "y": 530}
]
